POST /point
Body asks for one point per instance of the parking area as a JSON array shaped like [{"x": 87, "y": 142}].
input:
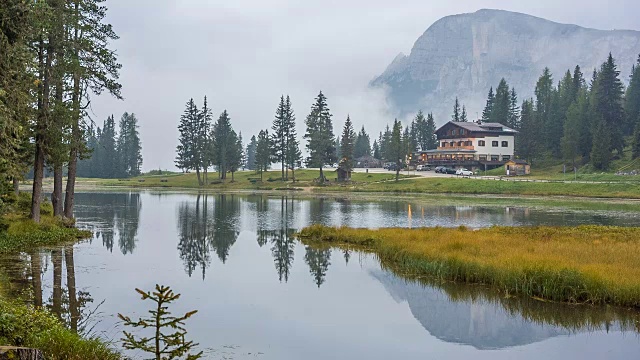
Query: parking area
[{"x": 430, "y": 173}]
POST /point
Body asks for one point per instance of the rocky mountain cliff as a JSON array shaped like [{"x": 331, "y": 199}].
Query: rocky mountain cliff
[{"x": 463, "y": 55}]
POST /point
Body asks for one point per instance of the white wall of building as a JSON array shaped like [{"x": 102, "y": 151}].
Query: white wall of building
[{"x": 489, "y": 150}]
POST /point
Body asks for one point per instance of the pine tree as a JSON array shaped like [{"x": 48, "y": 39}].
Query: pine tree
[
  {"x": 376, "y": 150},
  {"x": 318, "y": 261},
  {"x": 548, "y": 138},
  {"x": 431, "y": 141},
  {"x": 607, "y": 105},
  {"x": 501, "y": 105},
  {"x": 251, "y": 153},
  {"x": 319, "y": 135},
  {"x": 347, "y": 142},
  {"x": 463, "y": 116},
  {"x": 396, "y": 151},
  {"x": 292, "y": 155},
  {"x": 576, "y": 129},
  {"x": 456, "y": 111},
  {"x": 188, "y": 156},
  {"x": 635, "y": 145},
  {"x": 129, "y": 147},
  {"x": 107, "y": 143},
  {"x": 486, "y": 113},
  {"x": 527, "y": 144},
  {"x": 514, "y": 111},
  {"x": 422, "y": 132},
  {"x": 279, "y": 135},
  {"x": 224, "y": 145},
  {"x": 205, "y": 122},
  {"x": 363, "y": 145},
  {"x": 632, "y": 98},
  {"x": 601, "y": 151},
  {"x": 235, "y": 153},
  {"x": 263, "y": 152}
]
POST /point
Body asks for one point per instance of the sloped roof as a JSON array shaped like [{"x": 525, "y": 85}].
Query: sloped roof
[{"x": 483, "y": 127}]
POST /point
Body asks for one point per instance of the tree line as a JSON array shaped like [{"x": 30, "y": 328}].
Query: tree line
[
  {"x": 54, "y": 56},
  {"x": 114, "y": 154}
]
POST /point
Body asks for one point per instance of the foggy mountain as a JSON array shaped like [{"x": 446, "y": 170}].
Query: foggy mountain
[{"x": 464, "y": 55}]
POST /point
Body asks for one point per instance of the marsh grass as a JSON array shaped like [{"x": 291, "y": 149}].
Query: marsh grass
[
  {"x": 23, "y": 325},
  {"x": 586, "y": 264}
]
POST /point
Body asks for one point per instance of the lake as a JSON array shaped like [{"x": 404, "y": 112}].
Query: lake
[{"x": 260, "y": 294}]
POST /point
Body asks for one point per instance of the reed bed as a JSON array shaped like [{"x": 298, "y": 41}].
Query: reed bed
[{"x": 584, "y": 264}]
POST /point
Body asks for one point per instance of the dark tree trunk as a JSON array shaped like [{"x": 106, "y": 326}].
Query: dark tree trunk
[
  {"x": 38, "y": 174},
  {"x": 398, "y": 173},
  {"x": 321, "y": 176},
  {"x": 56, "y": 195},
  {"x": 76, "y": 134},
  {"x": 20, "y": 353},
  {"x": 16, "y": 186},
  {"x": 71, "y": 286},
  {"x": 56, "y": 259},
  {"x": 198, "y": 174},
  {"x": 36, "y": 270}
]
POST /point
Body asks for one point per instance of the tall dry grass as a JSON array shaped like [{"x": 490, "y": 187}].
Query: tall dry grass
[{"x": 585, "y": 264}]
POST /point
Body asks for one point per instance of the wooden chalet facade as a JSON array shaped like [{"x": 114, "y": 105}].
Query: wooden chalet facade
[{"x": 471, "y": 145}]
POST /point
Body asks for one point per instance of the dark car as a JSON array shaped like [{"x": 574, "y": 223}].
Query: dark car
[
  {"x": 439, "y": 169},
  {"x": 450, "y": 171}
]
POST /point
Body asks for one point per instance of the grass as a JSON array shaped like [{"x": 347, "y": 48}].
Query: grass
[
  {"x": 497, "y": 187},
  {"x": 26, "y": 326},
  {"x": 586, "y": 264},
  {"x": 244, "y": 180}
]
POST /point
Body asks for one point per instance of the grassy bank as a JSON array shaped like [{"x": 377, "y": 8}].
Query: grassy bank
[
  {"x": 375, "y": 183},
  {"x": 19, "y": 233},
  {"x": 497, "y": 187},
  {"x": 25, "y": 326},
  {"x": 587, "y": 264}
]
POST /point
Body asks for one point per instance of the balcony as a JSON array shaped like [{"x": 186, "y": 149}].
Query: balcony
[{"x": 454, "y": 148}]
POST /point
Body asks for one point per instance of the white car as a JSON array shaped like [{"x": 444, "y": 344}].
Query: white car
[{"x": 464, "y": 172}]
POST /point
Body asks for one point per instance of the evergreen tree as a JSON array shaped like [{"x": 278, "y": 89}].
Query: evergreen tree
[
  {"x": 263, "y": 152},
  {"x": 129, "y": 146},
  {"x": 456, "y": 111},
  {"x": 319, "y": 135},
  {"x": 635, "y": 145},
  {"x": 251, "y": 153},
  {"x": 376, "y": 150},
  {"x": 293, "y": 154},
  {"x": 632, "y": 98},
  {"x": 601, "y": 151},
  {"x": 347, "y": 142},
  {"x": 514, "y": 111},
  {"x": 108, "y": 150},
  {"x": 279, "y": 135},
  {"x": 396, "y": 151},
  {"x": 187, "y": 149},
  {"x": 549, "y": 136},
  {"x": 203, "y": 138},
  {"x": 224, "y": 145},
  {"x": 363, "y": 145},
  {"x": 500, "y": 113},
  {"x": 576, "y": 139},
  {"x": 235, "y": 153},
  {"x": 431, "y": 140},
  {"x": 607, "y": 106},
  {"x": 422, "y": 132},
  {"x": 527, "y": 144},
  {"x": 486, "y": 113},
  {"x": 463, "y": 116}
]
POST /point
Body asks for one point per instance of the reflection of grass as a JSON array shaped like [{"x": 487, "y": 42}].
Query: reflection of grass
[
  {"x": 572, "y": 318},
  {"x": 586, "y": 264}
]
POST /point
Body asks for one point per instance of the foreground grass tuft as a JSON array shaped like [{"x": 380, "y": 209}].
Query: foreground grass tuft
[
  {"x": 586, "y": 264},
  {"x": 22, "y": 325}
]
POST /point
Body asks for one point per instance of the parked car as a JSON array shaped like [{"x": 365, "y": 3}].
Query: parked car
[
  {"x": 439, "y": 169},
  {"x": 449, "y": 171},
  {"x": 464, "y": 172},
  {"x": 423, "y": 168}
]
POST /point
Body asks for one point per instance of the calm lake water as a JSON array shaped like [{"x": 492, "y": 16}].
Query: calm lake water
[{"x": 263, "y": 295}]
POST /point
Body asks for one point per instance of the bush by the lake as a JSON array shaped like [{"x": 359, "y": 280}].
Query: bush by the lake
[{"x": 584, "y": 264}]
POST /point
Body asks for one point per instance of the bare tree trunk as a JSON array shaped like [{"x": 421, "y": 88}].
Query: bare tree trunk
[
  {"x": 321, "y": 176},
  {"x": 56, "y": 258},
  {"x": 198, "y": 173},
  {"x": 36, "y": 270},
  {"x": 397, "y": 172},
  {"x": 71, "y": 286},
  {"x": 56, "y": 195},
  {"x": 16, "y": 186},
  {"x": 38, "y": 175},
  {"x": 76, "y": 134}
]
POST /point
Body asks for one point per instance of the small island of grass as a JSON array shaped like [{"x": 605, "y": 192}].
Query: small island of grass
[{"x": 585, "y": 264}]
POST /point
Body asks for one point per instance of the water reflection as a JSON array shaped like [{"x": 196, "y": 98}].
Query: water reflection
[
  {"x": 484, "y": 319},
  {"x": 110, "y": 215},
  {"x": 26, "y": 275}
]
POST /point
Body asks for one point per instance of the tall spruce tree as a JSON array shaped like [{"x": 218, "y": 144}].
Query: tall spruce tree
[
  {"x": 292, "y": 154},
  {"x": 456, "y": 111},
  {"x": 264, "y": 157},
  {"x": 431, "y": 140},
  {"x": 486, "y": 113},
  {"x": 514, "y": 110},
  {"x": 224, "y": 145},
  {"x": 528, "y": 144},
  {"x": 463, "y": 115},
  {"x": 500, "y": 113},
  {"x": 396, "y": 150},
  {"x": 544, "y": 92},
  {"x": 279, "y": 135},
  {"x": 363, "y": 144},
  {"x": 607, "y": 109},
  {"x": 347, "y": 142},
  {"x": 129, "y": 146},
  {"x": 205, "y": 122},
  {"x": 635, "y": 142},
  {"x": 632, "y": 98},
  {"x": 375, "y": 149},
  {"x": 187, "y": 157},
  {"x": 251, "y": 153},
  {"x": 319, "y": 135}
]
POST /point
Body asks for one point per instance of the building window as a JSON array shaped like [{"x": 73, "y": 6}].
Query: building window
[
  {"x": 483, "y": 158},
  {"x": 461, "y": 131},
  {"x": 494, "y": 143},
  {"x": 459, "y": 143},
  {"x": 481, "y": 143},
  {"x": 505, "y": 144},
  {"x": 453, "y": 132},
  {"x": 506, "y": 157},
  {"x": 452, "y": 144},
  {"x": 444, "y": 144},
  {"x": 469, "y": 143},
  {"x": 495, "y": 157}
]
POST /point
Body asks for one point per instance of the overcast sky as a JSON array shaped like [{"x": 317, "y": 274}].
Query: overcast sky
[{"x": 243, "y": 54}]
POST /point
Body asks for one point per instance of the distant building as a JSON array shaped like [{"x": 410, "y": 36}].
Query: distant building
[
  {"x": 471, "y": 145},
  {"x": 517, "y": 168}
]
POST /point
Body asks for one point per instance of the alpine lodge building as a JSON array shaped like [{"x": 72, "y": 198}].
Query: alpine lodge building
[{"x": 471, "y": 145}]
